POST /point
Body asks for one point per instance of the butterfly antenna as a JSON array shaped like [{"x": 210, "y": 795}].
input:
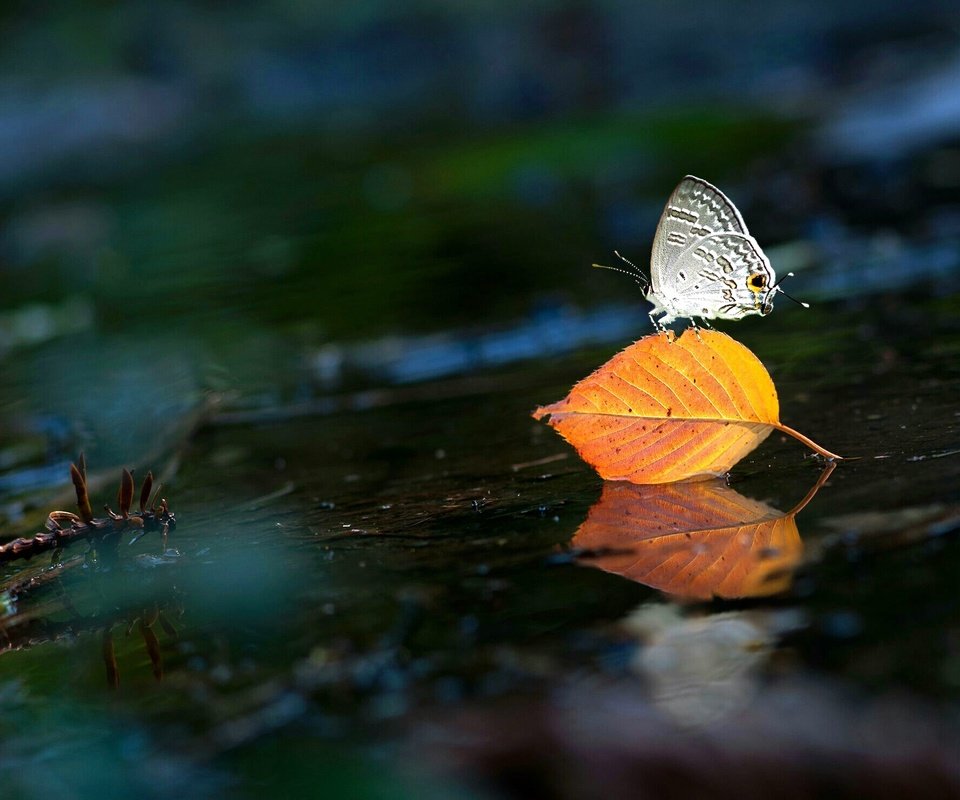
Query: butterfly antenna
[
  {"x": 777, "y": 287},
  {"x": 627, "y": 261},
  {"x": 633, "y": 272},
  {"x": 638, "y": 279}
]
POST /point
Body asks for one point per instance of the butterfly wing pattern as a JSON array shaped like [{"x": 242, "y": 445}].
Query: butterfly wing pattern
[{"x": 704, "y": 262}]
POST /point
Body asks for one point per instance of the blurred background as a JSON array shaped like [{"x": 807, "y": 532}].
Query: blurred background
[
  {"x": 317, "y": 262},
  {"x": 207, "y": 193}
]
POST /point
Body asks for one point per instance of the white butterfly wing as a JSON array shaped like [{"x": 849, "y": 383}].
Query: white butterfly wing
[
  {"x": 695, "y": 210},
  {"x": 722, "y": 275}
]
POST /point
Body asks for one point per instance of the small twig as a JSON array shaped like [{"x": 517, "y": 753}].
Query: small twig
[{"x": 86, "y": 526}]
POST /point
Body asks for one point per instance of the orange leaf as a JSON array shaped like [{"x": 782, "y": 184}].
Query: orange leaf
[
  {"x": 696, "y": 540},
  {"x": 669, "y": 409}
]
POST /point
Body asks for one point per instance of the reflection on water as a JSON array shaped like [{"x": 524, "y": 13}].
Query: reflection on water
[
  {"x": 702, "y": 669},
  {"x": 82, "y": 596},
  {"x": 92, "y": 592},
  {"x": 697, "y": 540}
]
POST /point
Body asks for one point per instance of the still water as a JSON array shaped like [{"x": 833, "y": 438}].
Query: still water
[{"x": 356, "y": 571}]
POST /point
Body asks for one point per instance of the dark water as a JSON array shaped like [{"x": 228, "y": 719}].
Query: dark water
[
  {"x": 344, "y": 577},
  {"x": 319, "y": 282}
]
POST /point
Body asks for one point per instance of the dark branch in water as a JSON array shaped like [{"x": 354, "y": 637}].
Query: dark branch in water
[{"x": 64, "y": 527}]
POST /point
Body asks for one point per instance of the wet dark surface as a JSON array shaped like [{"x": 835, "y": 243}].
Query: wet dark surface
[
  {"x": 325, "y": 332},
  {"x": 416, "y": 558}
]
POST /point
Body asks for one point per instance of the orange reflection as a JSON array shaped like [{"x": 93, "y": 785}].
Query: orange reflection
[{"x": 696, "y": 540}]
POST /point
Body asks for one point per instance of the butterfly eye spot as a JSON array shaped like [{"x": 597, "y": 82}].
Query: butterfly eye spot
[{"x": 757, "y": 282}]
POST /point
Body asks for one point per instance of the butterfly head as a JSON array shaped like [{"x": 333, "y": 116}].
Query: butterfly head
[{"x": 763, "y": 290}]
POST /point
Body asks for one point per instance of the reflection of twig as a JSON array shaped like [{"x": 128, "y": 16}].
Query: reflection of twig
[
  {"x": 31, "y": 631},
  {"x": 17, "y": 587},
  {"x": 37, "y": 623}
]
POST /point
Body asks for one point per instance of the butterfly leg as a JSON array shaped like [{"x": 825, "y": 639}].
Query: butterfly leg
[{"x": 658, "y": 325}]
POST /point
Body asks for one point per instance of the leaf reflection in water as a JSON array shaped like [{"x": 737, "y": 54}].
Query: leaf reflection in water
[{"x": 695, "y": 540}]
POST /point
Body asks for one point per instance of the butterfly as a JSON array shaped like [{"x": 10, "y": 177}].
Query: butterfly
[{"x": 704, "y": 263}]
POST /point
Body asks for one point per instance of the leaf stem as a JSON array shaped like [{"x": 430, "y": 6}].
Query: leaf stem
[{"x": 808, "y": 442}]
